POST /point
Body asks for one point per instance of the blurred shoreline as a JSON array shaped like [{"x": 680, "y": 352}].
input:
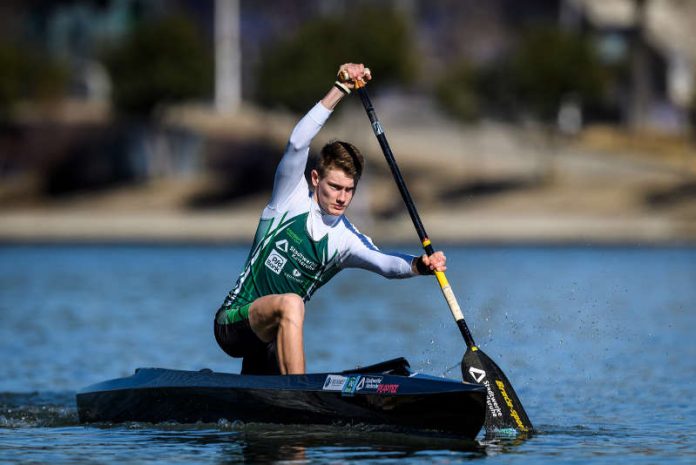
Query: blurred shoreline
[
  {"x": 72, "y": 227},
  {"x": 484, "y": 183}
]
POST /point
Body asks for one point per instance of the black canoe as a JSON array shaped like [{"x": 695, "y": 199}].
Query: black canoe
[{"x": 386, "y": 395}]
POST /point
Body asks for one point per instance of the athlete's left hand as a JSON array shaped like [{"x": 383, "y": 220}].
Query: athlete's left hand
[{"x": 434, "y": 262}]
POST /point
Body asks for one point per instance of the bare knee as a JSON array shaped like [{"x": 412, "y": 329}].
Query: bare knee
[
  {"x": 268, "y": 314},
  {"x": 291, "y": 309}
]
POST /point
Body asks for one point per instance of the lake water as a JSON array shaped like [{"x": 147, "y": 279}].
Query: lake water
[{"x": 600, "y": 344}]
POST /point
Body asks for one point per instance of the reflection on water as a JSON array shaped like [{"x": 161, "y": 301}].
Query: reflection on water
[
  {"x": 331, "y": 444},
  {"x": 591, "y": 339}
]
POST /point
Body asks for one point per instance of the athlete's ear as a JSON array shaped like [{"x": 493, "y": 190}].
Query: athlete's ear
[{"x": 315, "y": 178}]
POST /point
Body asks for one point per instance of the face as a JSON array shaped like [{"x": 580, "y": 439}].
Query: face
[{"x": 334, "y": 191}]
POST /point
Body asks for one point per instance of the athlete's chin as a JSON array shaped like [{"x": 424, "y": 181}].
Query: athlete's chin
[{"x": 337, "y": 210}]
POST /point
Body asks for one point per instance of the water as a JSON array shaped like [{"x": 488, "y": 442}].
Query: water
[{"x": 598, "y": 342}]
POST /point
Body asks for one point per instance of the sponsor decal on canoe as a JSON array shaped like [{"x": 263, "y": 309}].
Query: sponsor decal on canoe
[
  {"x": 369, "y": 383},
  {"x": 387, "y": 388},
  {"x": 351, "y": 385},
  {"x": 334, "y": 383}
]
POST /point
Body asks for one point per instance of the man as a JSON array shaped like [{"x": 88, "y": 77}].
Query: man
[{"x": 303, "y": 240}]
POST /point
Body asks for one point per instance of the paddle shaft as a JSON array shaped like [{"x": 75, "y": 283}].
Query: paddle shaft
[
  {"x": 415, "y": 217},
  {"x": 503, "y": 408}
]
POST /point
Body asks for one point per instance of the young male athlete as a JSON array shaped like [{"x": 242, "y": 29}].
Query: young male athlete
[{"x": 303, "y": 239}]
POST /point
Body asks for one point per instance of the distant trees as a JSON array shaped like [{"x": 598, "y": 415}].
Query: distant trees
[
  {"x": 28, "y": 74},
  {"x": 552, "y": 64},
  {"x": 162, "y": 61},
  {"x": 459, "y": 92},
  {"x": 548, "y": 66},
  {"x": 166, "y": 60},
  {"x": 292, "y": 71}
]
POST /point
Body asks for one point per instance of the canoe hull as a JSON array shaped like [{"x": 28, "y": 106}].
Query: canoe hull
[{"x": 391, "y": 402}]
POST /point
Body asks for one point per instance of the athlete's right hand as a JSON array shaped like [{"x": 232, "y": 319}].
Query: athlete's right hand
[{"x": 348, "y": 73}]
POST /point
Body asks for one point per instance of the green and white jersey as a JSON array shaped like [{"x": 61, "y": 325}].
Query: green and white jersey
[{"x": 298, "y": 247}]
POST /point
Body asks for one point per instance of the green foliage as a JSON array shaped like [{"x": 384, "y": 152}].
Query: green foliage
[
  {"x": 162, "y": 61},
  {"x": 456, "y": 92},
  {"x": 552, "y": 64},
  {"x": 27, "y": 74},
  {"x": 548, "y": 66},
  {"x": 293, "y": 72}
]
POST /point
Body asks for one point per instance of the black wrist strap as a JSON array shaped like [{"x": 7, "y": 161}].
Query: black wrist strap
[
  {"x": 342, "y": 87},
  {"x": 421, "y": 267}
]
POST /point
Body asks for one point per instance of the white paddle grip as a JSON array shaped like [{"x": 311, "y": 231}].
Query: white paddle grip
[{"x": 452, "y": 302}]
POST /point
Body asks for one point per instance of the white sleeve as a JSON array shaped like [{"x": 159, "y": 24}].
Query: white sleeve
[
  {"x": 362, "y": 253},
  {"x": 290, "y": 171}
]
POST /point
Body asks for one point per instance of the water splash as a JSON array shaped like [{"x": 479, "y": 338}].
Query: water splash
[{"x": 34, "y": 410}]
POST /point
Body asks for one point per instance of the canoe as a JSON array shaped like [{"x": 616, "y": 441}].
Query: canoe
[{"x": 387, "y": 396}]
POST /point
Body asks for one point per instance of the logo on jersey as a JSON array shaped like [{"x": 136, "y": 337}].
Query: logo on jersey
[
  {"x": 275, "y": 262},
  {"x": 282, "y": 245},
  {"x": 301, "y": 259},
  {"x": 296, "y": 273}
]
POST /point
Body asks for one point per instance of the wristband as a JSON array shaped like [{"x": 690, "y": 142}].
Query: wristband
[
  {"x": 421, "y": 267},
  {"x": 342, "y": 87}
]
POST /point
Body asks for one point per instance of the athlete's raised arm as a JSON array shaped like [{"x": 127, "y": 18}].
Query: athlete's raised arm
[{"x": 290, "y": 171}]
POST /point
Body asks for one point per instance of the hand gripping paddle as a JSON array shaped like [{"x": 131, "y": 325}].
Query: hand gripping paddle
[{"x": 504, "y": 411}]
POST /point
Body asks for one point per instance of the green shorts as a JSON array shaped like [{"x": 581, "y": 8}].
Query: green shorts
[{"x": 229, "y": 314}]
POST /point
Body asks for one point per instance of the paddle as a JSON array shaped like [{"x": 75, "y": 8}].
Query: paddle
[{"x": 504, "y": 410}]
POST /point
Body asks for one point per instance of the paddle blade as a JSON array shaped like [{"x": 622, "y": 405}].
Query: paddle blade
[{"x": 504, "y": 411}]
